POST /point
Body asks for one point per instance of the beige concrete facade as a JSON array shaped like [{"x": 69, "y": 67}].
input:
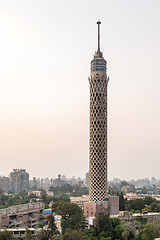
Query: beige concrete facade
[
  {"x": 98, "y": 128},
  {"x": 80, "y": 201},
  {"x": 98, "y": 195}
]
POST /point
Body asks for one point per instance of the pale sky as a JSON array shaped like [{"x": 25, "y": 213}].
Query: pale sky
[{"x": 45, "y": 53}]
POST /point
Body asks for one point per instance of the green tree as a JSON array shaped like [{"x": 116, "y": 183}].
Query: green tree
[
  {"x": 73, "y": 234},
  {"x": 127, "y": 234},
  {"x": 155, "y": 207},
  {"x": 89, "y": 233},
  {"x": 150, "y": 231},
  {"x": 29, "y": 235},
  {"x": 118, "y": 232},
  {"x": 105, "y": 238},
  {"x": 137, "y": 204},
  {"x": 103, "y": 222},
  {"x": 41, "y": 225},
  {"x": 124, "y": 183},
  {"x": 121, "y": 201},
  {"x": 57, "y": 237},
  {"x": 51, "y": 225},
  {"x": 22, "y": 194},
  {"x": 72, "y": 215},
  {"x": 148, "y": 200},
  {"x": 114, "y": 222},
  {"x": 6, "y": 235},
  {"x": 43, "y": 234},
  {"x": 114, "y": 189}
]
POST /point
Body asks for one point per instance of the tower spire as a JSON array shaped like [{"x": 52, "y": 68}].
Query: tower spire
[{"x": 98, "y": 35}]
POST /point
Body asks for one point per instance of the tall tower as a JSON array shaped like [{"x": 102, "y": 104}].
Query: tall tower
[{"x": 98, "y": 126}]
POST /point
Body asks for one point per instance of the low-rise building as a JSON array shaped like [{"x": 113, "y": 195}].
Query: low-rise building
[
  {"x": 24, "y": 215},
  {"x": 36, "y": 193},
  {"x": 150, "y": 216},
  {"x": 132, "y": 196},
  {"x": 80, "y": 200},
  {"x": 20, "y": 233},
  {"x": 111, "y": 203}
]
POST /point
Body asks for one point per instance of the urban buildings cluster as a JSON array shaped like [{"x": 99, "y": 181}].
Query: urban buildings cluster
[
  {"x": 139, "y": 183},
  {"x": 140, "y": 186},
  {"x": 18, "y": 181}
]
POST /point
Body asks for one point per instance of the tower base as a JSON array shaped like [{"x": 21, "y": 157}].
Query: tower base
[{"x": 110, "y": 202}]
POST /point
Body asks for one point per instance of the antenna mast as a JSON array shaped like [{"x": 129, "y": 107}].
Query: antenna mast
[{"x": 98, "y": 35}]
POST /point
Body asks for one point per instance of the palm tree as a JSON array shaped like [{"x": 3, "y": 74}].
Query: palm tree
[{"x": 42, "y": 234}]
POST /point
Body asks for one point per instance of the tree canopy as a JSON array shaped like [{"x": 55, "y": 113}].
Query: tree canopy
[
  {"x": 72, "y": 215},
  {"x": 150, "y": 231},
  {"x": 6, "y": 235}
]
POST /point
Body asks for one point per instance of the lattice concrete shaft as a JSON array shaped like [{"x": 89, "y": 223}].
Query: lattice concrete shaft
[{"x": 98, "y": 129}]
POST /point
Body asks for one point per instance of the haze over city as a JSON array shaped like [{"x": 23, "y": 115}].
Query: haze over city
[{"x": 46, "y": 49}]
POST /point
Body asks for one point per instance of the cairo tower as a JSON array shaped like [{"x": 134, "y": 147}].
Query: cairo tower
[{"x": 98, "y": 127}]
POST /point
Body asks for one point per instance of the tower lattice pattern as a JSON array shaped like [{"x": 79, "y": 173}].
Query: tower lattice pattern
[{"x": 98, "y": 131}]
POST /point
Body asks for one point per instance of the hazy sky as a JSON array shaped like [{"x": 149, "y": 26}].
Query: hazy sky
[{"x": 45, "y": 53}]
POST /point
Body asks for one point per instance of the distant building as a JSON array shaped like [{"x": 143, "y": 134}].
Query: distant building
[
  {"x": 128, "y": 188},
  {"x": 154, "y": 181},
  {"x": 132, "y": 196},
  {"x": 58, "y": 181},
  {"x": 5, "y": 185},
  {"x": 142, "y": 183},
  {"x": 33, "y": 183},
  {"x": 24, "y": 215},
  {"x": 87, "y": 179},
  {"x": 51, "y": 181},
  {"x": 41, "y": 184},
  {"x": 19, "y": 179},
  {"x": 72, "y": 181},
  {"x": 36, "y": 193},
  {"x": 150, "y": 216}
]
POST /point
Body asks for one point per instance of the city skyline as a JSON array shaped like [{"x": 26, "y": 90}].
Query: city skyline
[
  {"x": 75, "y": 177},
  {"x": 44, "y": 93}
]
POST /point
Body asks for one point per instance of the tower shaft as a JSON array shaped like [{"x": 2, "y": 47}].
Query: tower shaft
[{"x": 98, "y": 128}]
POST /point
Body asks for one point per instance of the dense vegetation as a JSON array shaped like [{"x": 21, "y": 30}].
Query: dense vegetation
[
  {"x": 76, "y": 190},
  {"x": 22, "y": 198},
  {"x": 10, "y": 200},
  {"x": 147, "y": 204},
  {"x": 60, "y": 193},
  {"x": 105, "y": 228},
  {"x": 73, "y": 221}
]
